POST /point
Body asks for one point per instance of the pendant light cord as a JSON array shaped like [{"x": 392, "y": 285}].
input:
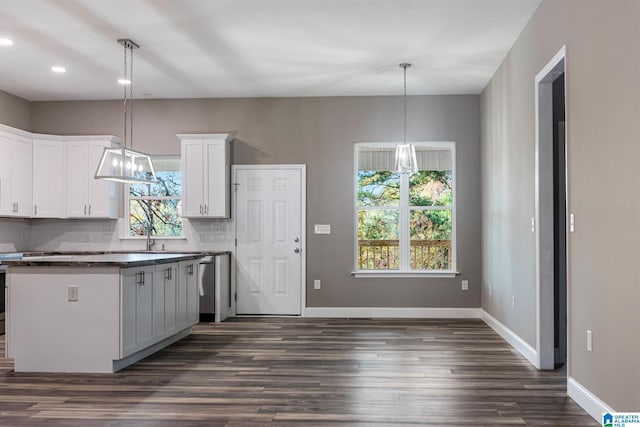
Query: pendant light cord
[
  {"x": 405, "y": 65},
  {"x": 125, "y": 96},
  {"x": 404, "y": 140},
  {"x": 131, "y": 99}
]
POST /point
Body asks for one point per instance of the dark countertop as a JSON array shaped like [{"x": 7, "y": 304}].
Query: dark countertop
[{"x": 106, "y": 259}]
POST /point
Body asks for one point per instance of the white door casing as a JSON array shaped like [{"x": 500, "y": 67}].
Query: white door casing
[{"x": 270, "y": 224}]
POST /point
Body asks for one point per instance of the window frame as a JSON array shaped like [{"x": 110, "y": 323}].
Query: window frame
[
  {"x": 127, "y": 206},
  {"x": 404, "y": 236}
]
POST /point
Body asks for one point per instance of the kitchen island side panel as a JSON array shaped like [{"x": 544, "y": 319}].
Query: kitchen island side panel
[{"x": 49, "y": 333}]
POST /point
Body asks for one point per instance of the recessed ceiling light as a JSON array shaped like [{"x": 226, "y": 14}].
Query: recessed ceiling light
[
  {"x": 124, "y": 81},
  {"x": 58, "y": 69},
  {"x": 6, "y": 42}
]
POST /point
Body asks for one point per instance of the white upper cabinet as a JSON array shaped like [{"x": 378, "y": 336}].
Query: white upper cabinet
[
  {"x": 205, "y": 165},
  {"x": 15, "y": 175},
  {"x": 88, "y": 197},
  {"x": 48, "y": 178}
]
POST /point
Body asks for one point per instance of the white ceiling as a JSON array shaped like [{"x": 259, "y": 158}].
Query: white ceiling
[{"x": 255, "y": 48}]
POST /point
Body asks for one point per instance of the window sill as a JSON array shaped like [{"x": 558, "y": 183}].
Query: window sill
[
  {"x": 154, "y": 238},
  {"x": 442, "y": 274}
]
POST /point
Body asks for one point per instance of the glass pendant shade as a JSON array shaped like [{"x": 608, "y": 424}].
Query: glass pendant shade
[
  {"x": 406, "y": 161},
  {"x": 125, "y": 165}
]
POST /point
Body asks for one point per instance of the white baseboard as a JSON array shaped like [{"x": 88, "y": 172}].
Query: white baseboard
[
  {"x": 587, "y": 400},
  {"x": 394, "y": 312},
  {"x": 512, "y": 338}
]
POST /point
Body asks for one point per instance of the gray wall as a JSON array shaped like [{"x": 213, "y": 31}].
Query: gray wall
[
  {"x": 15, "y": 111},
  {"x": 603, "y": 106},
  {"x": 319, "y": 132}
]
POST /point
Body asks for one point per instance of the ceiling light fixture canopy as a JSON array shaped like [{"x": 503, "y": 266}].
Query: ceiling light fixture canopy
[
  {"x": 124, "y": 164},
  {"x": 406, "y": 161}
]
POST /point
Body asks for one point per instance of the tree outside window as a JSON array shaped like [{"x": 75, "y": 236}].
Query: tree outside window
[{"x": 157, "y": 206}]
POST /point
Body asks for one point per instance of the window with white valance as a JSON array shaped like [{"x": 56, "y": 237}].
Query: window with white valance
[{"x": 405, "y": 223}]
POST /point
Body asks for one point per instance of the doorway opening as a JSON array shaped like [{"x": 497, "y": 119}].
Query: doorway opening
[{"x": 551, "y": 214}]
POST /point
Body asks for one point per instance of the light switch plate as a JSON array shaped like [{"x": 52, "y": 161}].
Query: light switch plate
[
  {"x": 465, "y": 285},
  {"x": 322, "y": 228},
  {"x": 72, "y": 293}
]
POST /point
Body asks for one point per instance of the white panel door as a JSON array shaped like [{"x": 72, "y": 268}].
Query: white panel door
[{"x": 269, "y": 233}]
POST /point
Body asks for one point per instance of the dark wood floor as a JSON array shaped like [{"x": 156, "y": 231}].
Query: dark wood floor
[{"x": 274, "y": 371}]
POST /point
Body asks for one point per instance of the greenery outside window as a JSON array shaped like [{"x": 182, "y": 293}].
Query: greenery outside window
[
  {"x": 157, "y": 206},
  {"x": 405, "y": 223}
]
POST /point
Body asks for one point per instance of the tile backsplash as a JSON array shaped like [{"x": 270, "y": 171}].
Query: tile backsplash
[
  {"x": 94, "y": 234},
  {"x": 15, "y": 234}
]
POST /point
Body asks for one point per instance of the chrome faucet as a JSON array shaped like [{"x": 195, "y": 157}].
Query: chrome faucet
[{"x": 150, "y": 242}]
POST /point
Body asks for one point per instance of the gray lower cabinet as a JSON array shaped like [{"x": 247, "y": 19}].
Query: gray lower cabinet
[{"x": 157, "y": 302}]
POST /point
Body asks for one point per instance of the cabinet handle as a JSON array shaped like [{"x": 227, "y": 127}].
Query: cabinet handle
[
  {"x": 141, "y": 278},
  {"x": 190, "y": 269},
  {"x": 200, "y": 209},
  {"x": 85, "y": 209},
  {"x": 89, "y": 209},
  {"x": 35, "y": 209},
  {"x": 168, "y": 273},
  {"x": 206, "y": 209}
]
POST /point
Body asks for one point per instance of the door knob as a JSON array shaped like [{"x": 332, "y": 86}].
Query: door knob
[
  {"x": 297, "y": 239},
  {"x": 296, "y": 250}
]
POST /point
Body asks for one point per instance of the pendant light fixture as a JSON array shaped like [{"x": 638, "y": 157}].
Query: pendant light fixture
[
  {"x": 406, "y": 153},
  {"x": 124, "y": 164}
]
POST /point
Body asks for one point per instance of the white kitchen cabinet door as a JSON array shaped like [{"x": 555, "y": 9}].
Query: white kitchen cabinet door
[
  {"x": 161, "y": 275},
  {"x": 188, "y": 306},
  {"x": 22, "y": 178},
  {"x": 88, "y": 197},
  {"x": 192, "y": 179},
  {"x": 216, "y": 183},
  {"x": 102, "y": 194},
  {"x": 15, "y": 177},
  {"x": 137, "y": 309},
  {"x": 205, "y": 166},
  {"x": 48, "y": 179},
  {"x": 193, "y": 296},
  {"x": 170, "y": 297},
  {"x": 144, "y": 308},
  {"x": 77, "y": 179},
  {"x": 7, "y": 206},
  {"x": 128, "y": 322},
  {"x": 164, "y": 300}
]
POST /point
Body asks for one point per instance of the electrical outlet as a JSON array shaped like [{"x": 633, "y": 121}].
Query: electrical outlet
[
  {"x": 513, "y": 301},
  {"x": 72, "y": 293},
  {"x": 589, "y": 340},
  {"x": 316, "y": 284},
  {"x": 465, "y": 285}
]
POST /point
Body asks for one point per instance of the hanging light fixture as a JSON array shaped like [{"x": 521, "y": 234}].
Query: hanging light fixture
[
  {"x": 124, "y": 164},
  {"x": 406, "y": 153}
]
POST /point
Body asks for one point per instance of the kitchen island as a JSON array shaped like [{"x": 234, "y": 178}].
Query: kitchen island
[{"x": 97, "y": 312}]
